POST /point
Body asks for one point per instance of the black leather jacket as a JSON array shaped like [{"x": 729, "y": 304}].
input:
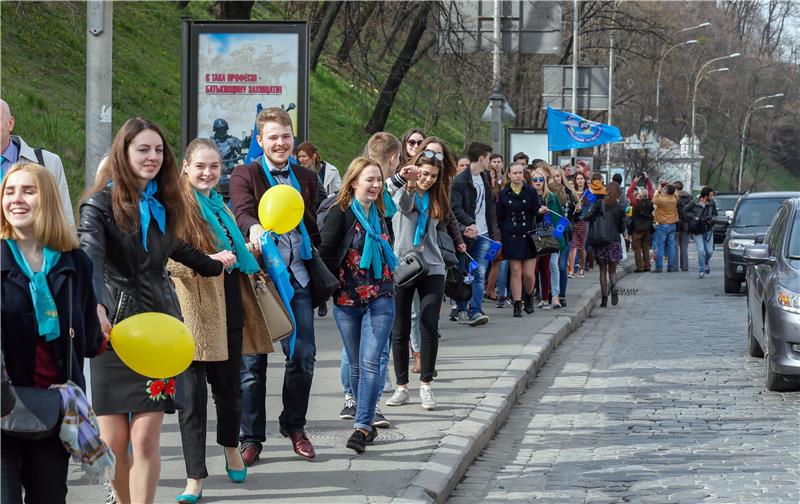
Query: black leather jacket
[{"x": 127, "y": 279}]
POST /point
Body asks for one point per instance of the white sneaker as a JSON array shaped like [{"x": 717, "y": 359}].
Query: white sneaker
[
  {"x": 426, "y": 395},
  {"x": 399, "y": 397}
]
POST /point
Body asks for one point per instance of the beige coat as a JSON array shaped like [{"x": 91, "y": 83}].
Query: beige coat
[{"x": 202, "y": 303}]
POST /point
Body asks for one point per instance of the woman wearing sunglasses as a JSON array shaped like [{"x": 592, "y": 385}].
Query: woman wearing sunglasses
[
  {"x": 517, "y": 207},
  {"x": 412, "y": 140},
  {"x": 422, "y": 204},
  {"x": 550, "y": 201}
]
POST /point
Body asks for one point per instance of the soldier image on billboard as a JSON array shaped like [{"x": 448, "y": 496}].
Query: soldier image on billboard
[{"x": 230, "y": 148}]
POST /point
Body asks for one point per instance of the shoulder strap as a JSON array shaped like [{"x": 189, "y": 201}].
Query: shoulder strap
[
  {"x": 71, "y": 332},
  {"x": 39, "y": 156}
]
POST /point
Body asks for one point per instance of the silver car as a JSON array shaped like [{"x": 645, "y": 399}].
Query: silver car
[{"x": 773, "y": 298}]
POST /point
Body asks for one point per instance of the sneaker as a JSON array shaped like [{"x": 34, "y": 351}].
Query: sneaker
[
  {"x": 708, "y": 270},
  {"x": 462, "y": 317},
  {"x": 357, "y": 441},
  {"x": 387, "y": 385},
  {"x": 399, "y": 397},
  {"x": 545, "y": 306},
  {"x": 509, "y": 303},
  {"x": 701, "y": 275},
  {"x": 426, "y": 395},
  {"x": 453, "y": 315},
  {"x": 478, "y": 319},
  {"x": 111, "y": 496},
  {"x": 379, "y": 420},
  {"x": 501, "y": 303},
  {"x": 349, "y": 410}
]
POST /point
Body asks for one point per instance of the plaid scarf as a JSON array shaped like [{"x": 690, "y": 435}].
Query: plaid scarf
[{"x": 81, "y": 434}]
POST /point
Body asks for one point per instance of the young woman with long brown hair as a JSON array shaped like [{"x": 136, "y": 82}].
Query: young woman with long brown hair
[{"x": 609, "y": 214}]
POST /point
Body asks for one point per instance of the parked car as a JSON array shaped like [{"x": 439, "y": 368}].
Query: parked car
[
  {"x": 751, "y": 218},
  {"x": 726, "y": 203},
  {"x": 773, "y": 298}
]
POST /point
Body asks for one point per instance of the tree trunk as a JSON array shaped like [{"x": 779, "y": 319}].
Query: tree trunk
[
  {"x": 353, "y": 32},
  {"x": 322, "y": 34},
  {"x": 398, "y": 21},
  {"x": 233, "y": 9},
  {"x": 401, "y": 65}
]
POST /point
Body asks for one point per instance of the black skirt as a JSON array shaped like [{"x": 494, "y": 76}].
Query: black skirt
[
  {"x": 117, "y": 389},
  {"x": 517, "y": 247}
]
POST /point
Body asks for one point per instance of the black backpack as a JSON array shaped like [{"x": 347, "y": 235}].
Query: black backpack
[{"x": 643, "y": 215}]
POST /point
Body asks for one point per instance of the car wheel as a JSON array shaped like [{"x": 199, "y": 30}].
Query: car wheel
[
  {"x": 732, "y": 286},
  {"x": 773, "y": 381},
  {"x": 753, "y": 348}
]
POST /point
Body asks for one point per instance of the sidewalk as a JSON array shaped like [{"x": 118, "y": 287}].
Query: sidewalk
[{"x": 422, "y": 456}]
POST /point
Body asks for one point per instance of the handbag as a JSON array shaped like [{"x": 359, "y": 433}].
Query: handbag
[
  {"x": 410, "y": 268},
  {"x": 37, "y": 413},
  {"x": 543, "y": 242},
  {"x": 279, "y": 322},
  {"x": 600, "y": 232},
  {"x": 455, "y": 286},
  {"x": 323, "y": 282},
  {"x": 447, "y": 248}
]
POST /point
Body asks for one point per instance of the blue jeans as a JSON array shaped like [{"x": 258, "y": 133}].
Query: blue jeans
[
  {"x": 563, "y": 257},
  {"x": 480, "y": 246},
  {"x": 502, "y": 281},
  {"x": 665, "y": 237},
  {"x": 297, "y": 377},
  {"x": 344, "y": 369},
  {"x": 365, "y": 331},
  {"x": 705, "y": 248},
  {"x": 554, "y": 275}
]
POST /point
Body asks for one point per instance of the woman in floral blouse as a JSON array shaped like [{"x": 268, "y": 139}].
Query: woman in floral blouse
[{"x": 355, "y": 246}]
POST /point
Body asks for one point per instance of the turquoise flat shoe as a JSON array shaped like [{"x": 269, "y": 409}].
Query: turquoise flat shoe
[
  {"x": 188, "y": 498},
  {"x": 236, "y": 475}
]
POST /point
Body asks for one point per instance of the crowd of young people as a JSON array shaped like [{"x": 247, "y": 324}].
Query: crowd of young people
[{"x": 155, "y": 236}]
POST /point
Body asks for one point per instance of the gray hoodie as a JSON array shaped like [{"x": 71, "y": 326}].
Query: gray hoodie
[{"x": 404, "y": 224}]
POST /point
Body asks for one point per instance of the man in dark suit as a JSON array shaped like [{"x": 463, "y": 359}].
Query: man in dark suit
[{"x": 248, "y": 184}]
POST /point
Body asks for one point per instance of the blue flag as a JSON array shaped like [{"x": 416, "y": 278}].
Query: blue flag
[
  {"x": 494, "y": 249},
  {"x": 590, "y": 197},
  {"x": 254, "y": 152},
  {"x": 569, "y": 131},
  {"x": 561, "y": 227},
  {"x": 546, "y": 221},
  {"x": 279, "y": 274}
]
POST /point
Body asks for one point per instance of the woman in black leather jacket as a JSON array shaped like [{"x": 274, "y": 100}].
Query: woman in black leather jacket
[
  {"x": 130, "y": 224},
  {"x": 607, "y": 216}
]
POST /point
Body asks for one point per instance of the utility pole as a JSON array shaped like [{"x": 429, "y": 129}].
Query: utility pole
[
  {"x": 575, "y": 34},
  {"x": 99, "y": 24},
  {"x": 610, "y": 80},
  {"x": 496, "y": 97}
]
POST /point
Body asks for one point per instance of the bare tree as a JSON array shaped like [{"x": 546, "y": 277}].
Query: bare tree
[
  {"x": 233, "y": 9},
  {"x": 321, "y": 35}
]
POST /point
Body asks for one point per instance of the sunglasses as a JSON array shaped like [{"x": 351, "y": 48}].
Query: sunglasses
[
  {"x": 433, "y": 154},
  {"x": 538, "y": 179},
  {"x": 414, "y": 143}
]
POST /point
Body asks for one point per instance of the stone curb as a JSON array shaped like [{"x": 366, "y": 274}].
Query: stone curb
[{"x": 461, "y": 444}]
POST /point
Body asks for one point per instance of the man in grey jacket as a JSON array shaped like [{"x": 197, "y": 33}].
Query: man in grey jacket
[{"x": 15, "y": 150}]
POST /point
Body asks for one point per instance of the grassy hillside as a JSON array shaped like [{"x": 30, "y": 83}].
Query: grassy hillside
[{"x": 43, "y": 80}]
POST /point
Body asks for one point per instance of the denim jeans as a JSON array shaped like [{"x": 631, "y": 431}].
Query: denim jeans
[
  {"x": 344, "y": 368},
  {"x": 480, "y": 246},
  {"x": 664, "y": 241},
  {"x": 705, "y": 248},
  {"x": 365, "y": 332},
  {"x": 502, "y": 280},
  {"x": 563, "y": 257},
  {"x": 297, "y": 377},
  {"x": 554, "y": 275}
]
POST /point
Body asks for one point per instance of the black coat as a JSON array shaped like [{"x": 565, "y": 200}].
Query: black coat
[
  {"x": 19, "y": 331},
  {"x": 127, "y": 279},
  {"x": 462, "y": 201},
  {"x": 516, "y": 217},
  {"x": 336, "y": 236}
]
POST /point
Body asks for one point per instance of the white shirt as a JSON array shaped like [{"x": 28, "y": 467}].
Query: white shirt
[{"x": 480, "y": 205}]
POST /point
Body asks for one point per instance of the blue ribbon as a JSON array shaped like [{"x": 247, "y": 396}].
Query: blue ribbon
[
  {"x": 150, "y": 206},
  {"x": 305, "y": 246},
  {"x": 422, "y": 204},
  {"x": 376, "y": 250},
  {"x": 44, "y": 306}
]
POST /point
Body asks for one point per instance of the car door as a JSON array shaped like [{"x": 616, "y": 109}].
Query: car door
[{"x": 763, "y": 274}]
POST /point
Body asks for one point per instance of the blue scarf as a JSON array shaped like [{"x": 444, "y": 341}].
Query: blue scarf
[
  {"x": 388, "y": 202},
  {"x": 422, "y": 221},
  {"x": 376, "y": 250},
  {"x": 213, "y": 209},
  {"x": 149, "y": 205},
  {"x": 305, "y": 247},
  {"x": 44, "y": 305}
]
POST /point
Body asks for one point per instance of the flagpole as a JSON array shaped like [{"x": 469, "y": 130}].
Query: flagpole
[{"x": 574, "y": 152}]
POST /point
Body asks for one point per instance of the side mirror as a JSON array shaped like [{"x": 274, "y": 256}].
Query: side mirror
[{"x": 758, "y": 254}]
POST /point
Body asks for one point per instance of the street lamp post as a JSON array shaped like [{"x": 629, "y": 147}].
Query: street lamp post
[
  {"x": 746, "y": 123},
  {"x": 698, "y": 78},
  {"x": 658, "y": 75}
]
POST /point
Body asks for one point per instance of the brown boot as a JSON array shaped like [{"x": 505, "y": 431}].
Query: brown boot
[{"x": 417, "y": 363}]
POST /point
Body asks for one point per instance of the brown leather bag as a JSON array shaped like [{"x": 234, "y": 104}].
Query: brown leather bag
[
  {"x": 277, "y": 316},
  {"x": 256, "y": 336}
]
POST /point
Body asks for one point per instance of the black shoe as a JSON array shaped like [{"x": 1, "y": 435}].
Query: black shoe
[
  {"x": 358, "y": 440},
  {"x": 563, "y": 302},
  {"x": 614, "y": 295},
  {"x": 322, "y": 310},
  {"x": 349, "y": 410},
  {"x": 604, "y": 302},
  {"x": 453, "y": 315},
  {"x": 517, "y": 308},
  {"x": 529, "y": 306}
]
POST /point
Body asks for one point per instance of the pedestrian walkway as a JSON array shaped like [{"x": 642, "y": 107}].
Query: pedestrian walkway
[
  {"x": 481, "y": 371},
  {"x": 654, "y": 402}
]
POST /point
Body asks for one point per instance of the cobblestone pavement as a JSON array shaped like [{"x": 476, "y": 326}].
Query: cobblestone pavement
[{"x": 655, "y": 400}]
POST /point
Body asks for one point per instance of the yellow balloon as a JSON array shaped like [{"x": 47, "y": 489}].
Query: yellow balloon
[
  {"x": 281, "y": 209},
  {"x": 153, "y": 344}
]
